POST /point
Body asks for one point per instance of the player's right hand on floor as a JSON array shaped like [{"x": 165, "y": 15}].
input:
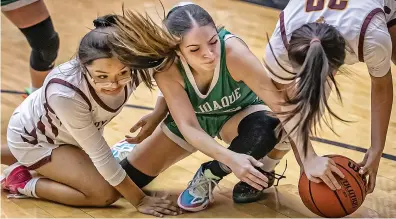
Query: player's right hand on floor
[
  {"x": 243, "y": 166},
  {"x": 320, "y": 169},
  {"x": 157, "y": 207}
]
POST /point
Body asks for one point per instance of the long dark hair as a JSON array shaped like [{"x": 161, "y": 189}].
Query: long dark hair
[
  {"x": 98, "y": 43},
  {"x": 140, "y": 40},
  {"x": 318, "y": 50},
  {"x": 182, "y": 18},
  {"x": 95, "y": 44}
]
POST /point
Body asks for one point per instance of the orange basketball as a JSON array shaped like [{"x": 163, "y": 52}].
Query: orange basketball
[{"x": 321, "y": 200}]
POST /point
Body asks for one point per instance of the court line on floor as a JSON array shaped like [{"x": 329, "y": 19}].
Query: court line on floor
[
  {"x": 321, "y": 140},
  {"x": 12, "y": 91}
]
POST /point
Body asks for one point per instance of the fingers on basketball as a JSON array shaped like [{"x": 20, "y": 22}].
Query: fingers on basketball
[{"x": 321, "y": 200}]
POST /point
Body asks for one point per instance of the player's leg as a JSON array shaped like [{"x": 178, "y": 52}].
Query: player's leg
[
  {"x": 261, "y": 124},
  {"x": 151, "y": 157},
  {"x": 251, "y": 132},
  {"x": 35, "y": 23},
  {"x": 67, "y": 176},
  {"x": 7, "y": 157}
]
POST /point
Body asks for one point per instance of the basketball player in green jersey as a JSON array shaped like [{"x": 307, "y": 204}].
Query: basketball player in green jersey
[{"x": 208, "y": 78}]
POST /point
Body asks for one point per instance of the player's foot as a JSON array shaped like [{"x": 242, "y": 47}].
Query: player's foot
[
  {"x": 15, "y": 177},
  {"x": 199, "y": 192},
  {"x": 244, "y": 193},
  {"x": 28, "y": 91}
]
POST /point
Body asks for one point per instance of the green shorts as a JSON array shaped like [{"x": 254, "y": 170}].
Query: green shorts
[
  {"x": 211, "y": 124},
  {"x": 9, "y": 5}
]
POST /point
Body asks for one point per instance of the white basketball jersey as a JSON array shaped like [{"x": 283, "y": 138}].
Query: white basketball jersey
[
  {"x": 41, "y": 123},
  {"x": 350, "y": 17}
]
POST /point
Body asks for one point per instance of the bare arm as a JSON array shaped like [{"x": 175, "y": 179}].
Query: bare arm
[
  {"x": 160, "y": 107},
  {"x": 149, "y": 122},
  {"x": 378, "y": 53},
  {"x": 381, "y": 107}
]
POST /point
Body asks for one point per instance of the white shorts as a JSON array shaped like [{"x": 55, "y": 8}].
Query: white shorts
[
  {"x": 30, "y": 155},
  {"x": 16, "y": 4}
]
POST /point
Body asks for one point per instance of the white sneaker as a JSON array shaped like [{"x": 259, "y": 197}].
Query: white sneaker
[{"x": 121, "y": 150}]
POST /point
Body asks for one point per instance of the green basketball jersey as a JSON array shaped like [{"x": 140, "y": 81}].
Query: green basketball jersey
[
  {"x": 225, "y": 95},
  {"x": 6, "y": 2}
]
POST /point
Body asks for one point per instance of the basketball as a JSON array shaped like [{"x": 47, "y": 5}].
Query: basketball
[{"x": 323, "y": 201}]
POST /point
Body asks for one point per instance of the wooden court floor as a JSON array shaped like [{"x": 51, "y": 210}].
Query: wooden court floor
[{"x": 73, "y": 18}]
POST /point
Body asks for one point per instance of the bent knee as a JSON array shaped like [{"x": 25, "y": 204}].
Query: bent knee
[
  {"x": 101, "y": 194},
  {"x": 103, "y": 198}
]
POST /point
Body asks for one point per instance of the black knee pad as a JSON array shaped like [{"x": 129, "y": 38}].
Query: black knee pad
[
  {"x": 44, "y": 42},
  {"x": 256, "y": 135},
  {"x": 139, "y": 178}
]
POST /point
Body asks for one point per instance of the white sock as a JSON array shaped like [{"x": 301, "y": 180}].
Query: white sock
[
  {"x": 34, "y": 173},
  {"x": 30, "y": 188},
  {"x": 269, "y": 163}
]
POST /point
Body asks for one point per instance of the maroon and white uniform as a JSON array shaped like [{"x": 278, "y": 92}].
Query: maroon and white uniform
[
  {"x": 66, "y": 111},
  {"x": 362, "y": 23}
]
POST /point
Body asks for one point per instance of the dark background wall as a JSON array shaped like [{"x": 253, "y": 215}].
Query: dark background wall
[{"x": 279, "y": 4}]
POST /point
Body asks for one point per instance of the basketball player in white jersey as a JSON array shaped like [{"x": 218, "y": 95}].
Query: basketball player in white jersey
[
  {"x": 58, "y": 130},
  {"x": 311, "y": 41}
]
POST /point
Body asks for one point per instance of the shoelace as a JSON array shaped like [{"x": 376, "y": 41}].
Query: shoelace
[
  {"x": 200, "y": 185},
  {"x": 278, "y": 177}
]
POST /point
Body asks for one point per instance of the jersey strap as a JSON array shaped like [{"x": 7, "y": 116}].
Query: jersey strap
[
  {"x": 283, "y": 29},
  {"x": 69, "y": 85},
  {"x": 101, "y": 103},
  {"x": 363, "y": 30}
]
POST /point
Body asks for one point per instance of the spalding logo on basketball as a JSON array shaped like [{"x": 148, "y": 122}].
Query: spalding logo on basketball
[{"x": 323, "y": 201}]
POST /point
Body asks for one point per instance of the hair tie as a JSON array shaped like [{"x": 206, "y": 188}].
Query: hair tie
[{"x": 314, "y": 40}]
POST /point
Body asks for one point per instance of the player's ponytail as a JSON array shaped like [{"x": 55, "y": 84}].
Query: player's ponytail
[
  {"x": 317, "y": 50},
  {"x": 141, "y": 43},
  {"x": 95, "y": 44}
]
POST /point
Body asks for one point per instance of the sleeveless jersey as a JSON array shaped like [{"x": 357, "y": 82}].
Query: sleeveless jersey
[
  {"x": 225, "y": 95},
  {"x": 361, "y": 22}
]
